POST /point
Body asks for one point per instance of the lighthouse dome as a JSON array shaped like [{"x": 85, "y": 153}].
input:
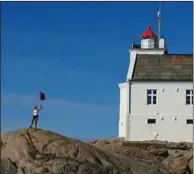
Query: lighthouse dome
[{"x": 149, "y": 40}]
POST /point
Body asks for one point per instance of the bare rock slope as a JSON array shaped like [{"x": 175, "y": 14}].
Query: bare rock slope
[
  {"x": 144, "y": 156},
  {"x": 40, "y": 151},
  {"x": 30, "y": 151}
]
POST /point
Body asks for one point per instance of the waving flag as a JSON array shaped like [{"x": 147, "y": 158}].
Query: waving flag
[{"x": 42, "y": 96}]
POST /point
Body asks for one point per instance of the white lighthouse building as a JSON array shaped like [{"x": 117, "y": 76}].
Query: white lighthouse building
[{"x": 156, "y": 100}]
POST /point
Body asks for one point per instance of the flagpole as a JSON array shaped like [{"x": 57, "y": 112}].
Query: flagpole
[{"x": 159, "y": 20}]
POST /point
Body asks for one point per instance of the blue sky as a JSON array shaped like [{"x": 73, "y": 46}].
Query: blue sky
[{"x": 77, "y": 52}]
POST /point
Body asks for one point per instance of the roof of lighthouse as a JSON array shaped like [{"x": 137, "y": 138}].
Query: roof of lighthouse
[
  {"x": 148, "y": 33},
  {"x": 166, "y": 67}
]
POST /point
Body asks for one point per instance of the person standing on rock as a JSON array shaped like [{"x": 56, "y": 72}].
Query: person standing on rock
[{"x": 35, "y": 115}]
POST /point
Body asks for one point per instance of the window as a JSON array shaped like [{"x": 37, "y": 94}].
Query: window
[
  {"x": 151, "y": 96},
  {"x": 189, "y": 121},
  {"x": 189, "y": 97},
  {"x": 151, "y": 121}
]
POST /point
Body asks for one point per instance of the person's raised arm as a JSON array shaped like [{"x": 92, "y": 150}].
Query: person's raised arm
[{"x": 40, "y": 107}]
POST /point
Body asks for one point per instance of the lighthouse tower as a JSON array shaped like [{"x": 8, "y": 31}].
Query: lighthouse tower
[
  {"x": 151, "y": 44},
  {"x": 149, "y": 40},
  {"x": 157, "y": 93}
]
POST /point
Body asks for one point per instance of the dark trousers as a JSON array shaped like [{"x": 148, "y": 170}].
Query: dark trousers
[{"x": 34, "y": 119}]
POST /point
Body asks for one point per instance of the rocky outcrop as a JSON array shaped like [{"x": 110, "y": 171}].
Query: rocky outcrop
[
  {"x": 180, "y": 162},
  {"x": 39, "y": 151},
  {"x": 169, "y": 157},
  {"x": 30, "y": 151},
  {"x": 7, "y": 166}
]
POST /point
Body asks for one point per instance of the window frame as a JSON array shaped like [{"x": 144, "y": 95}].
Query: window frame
[
  {"x": 189, "y": 121},
  {"x": 151, "y": 96},
  {"x": 151, "y": 121},
  {"x": 189, "y": 96}
]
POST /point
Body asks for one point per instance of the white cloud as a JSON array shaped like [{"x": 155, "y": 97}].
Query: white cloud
[{"x": 30, "y": 100}]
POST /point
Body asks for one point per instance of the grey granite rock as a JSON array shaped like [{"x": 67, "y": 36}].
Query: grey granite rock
[{"x": 30, "y": 151}]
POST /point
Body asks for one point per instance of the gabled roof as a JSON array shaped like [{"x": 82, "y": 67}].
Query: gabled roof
[
  {"x": 148, "y": 33},
  {"x": 167, "y": 67}
]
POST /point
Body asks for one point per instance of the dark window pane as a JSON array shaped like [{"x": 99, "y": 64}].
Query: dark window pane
[
  {"x": 154, "y": 99},
  {"x": 149, "y": 91},
  {"x": 189, "y": 121},
  {"x": 149, "y": 100},
  {"x": 188, "y": 102},
  {"x": 154, "y": 91},
  {"x": 151, "y": 121},
  {"x": 187, "y": 92}
]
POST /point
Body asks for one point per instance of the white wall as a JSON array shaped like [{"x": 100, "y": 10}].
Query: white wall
[
  {"x": 162, "y": 43},
  {"x": 148, "y": 51},
  {"x": 148, "y": 43},
  {"x": 133, "y": 56},
  {"x": 124, "y": 109},
  {"x": 170, "y": 103}
]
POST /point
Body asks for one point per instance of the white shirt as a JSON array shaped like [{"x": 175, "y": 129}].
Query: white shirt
[{"x": 35, "y": 112}]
